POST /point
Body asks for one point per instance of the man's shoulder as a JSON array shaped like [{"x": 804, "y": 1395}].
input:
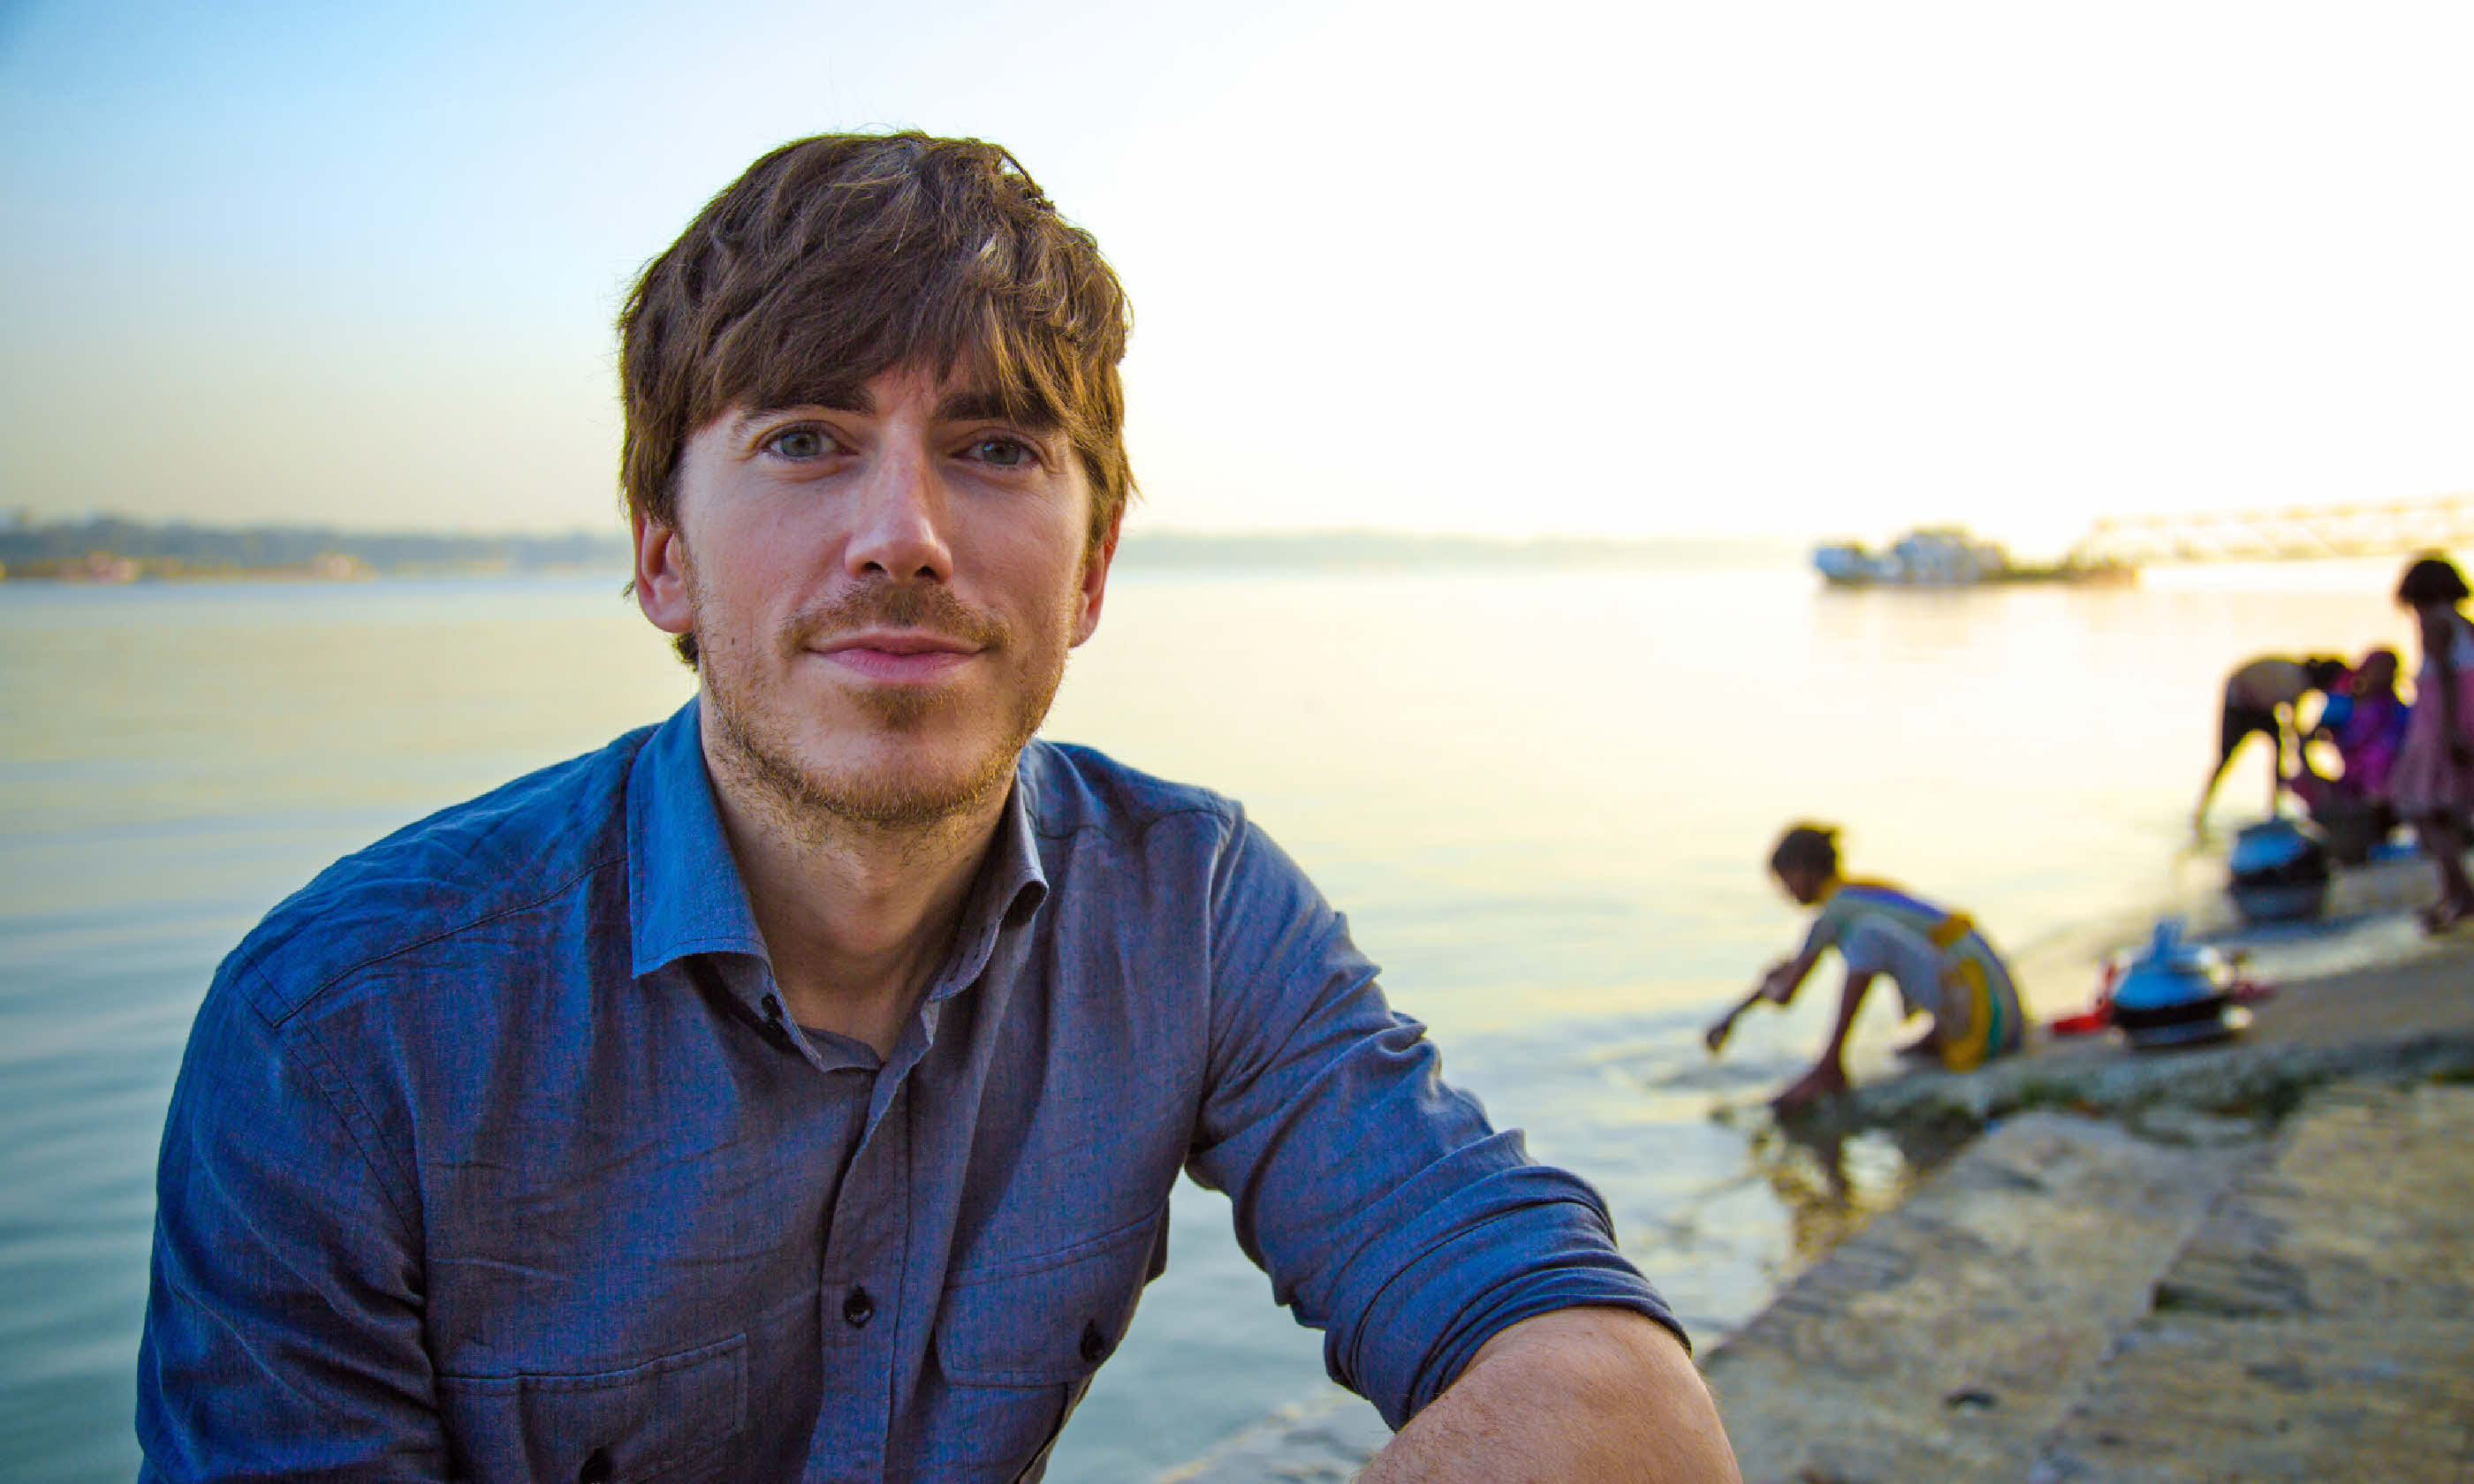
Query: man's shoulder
[
  {"x": 1077, "y": 789},
  {"x": 524, "y": 844}
]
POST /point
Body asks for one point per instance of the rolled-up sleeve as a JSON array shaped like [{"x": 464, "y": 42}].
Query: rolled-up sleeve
[
  {"x": 283, "y": 1321},
  {"x": 1387, "y": 1211}
]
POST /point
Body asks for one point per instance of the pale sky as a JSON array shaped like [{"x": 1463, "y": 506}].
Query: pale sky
[{"x": 1800, "y": 270}]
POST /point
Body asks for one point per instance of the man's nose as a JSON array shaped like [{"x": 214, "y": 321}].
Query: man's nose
[{"x": 898, "y": 529}]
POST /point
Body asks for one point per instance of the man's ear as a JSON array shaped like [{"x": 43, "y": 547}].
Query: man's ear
[
  {"x": 1095, "y": 577},
  {"x": 661, "y": 574}
]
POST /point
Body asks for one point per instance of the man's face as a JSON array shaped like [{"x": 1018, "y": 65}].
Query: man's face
[{"x": 883, "y": 595}]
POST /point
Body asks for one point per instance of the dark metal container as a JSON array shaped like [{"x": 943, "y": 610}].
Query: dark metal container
[
  {"x": 2171, "y": 994},
  {"x": 2279, "y": 872}
]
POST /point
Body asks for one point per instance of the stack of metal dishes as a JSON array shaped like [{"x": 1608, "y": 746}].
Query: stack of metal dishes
[{"x": 2173, "y": 993}]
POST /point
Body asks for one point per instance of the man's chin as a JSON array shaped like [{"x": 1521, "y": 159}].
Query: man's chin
[
  {"x": 908, "y": 799},
  {"x": 896, "y": 784},
  {"x": 897, "y": 760}
]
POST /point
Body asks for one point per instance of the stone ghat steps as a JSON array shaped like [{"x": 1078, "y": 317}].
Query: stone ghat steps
[
  {"x": 2071, "y": 1303},
  {"x": 2318, "y": 1326},
  {"x": 1945, "y": 1339}
]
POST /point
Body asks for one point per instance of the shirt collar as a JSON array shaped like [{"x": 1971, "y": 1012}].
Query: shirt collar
[
  {"x": 1008, "y": 892},
  {"x": 683, "y": 892}
]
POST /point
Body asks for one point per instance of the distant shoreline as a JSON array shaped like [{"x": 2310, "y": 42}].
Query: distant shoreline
[{"x": 111, "y": 550}]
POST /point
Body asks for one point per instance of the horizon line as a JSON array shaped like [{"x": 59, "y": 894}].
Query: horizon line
[{"x": 26, "y": 521}]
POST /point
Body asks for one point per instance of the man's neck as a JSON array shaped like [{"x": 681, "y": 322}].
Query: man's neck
[{"x": 855, "y": 917}]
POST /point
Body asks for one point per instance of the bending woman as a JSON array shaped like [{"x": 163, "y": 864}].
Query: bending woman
[
  {"x": 1942, "y": 964},
  {"x": 2264, "y": 696}
]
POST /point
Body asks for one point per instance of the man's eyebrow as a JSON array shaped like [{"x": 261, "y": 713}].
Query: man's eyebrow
[
  {"x": 851, "y": 400},
  {"x": 972, "y": 406}
]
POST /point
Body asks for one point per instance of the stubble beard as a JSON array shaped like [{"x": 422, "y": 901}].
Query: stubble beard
[{"x": 759, "y": 746}]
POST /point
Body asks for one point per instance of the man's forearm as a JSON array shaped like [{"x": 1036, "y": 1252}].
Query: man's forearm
[{"x": 1581, "y": 1396}]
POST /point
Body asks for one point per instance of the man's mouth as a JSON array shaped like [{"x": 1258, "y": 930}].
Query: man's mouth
[{"x": 898, "y": 657}]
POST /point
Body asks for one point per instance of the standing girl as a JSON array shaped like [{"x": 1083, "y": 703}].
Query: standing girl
[{"x": 2433, "y": 782}]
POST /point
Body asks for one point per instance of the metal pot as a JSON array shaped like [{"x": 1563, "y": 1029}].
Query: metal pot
[
  {"x": 2171, "y": 994},
  {"x": 2279, "y": 872}
]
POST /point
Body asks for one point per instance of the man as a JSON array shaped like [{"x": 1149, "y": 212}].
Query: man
[
  {"x": 794, "y": 1090},
  {"x": 2264, "y": 696}
]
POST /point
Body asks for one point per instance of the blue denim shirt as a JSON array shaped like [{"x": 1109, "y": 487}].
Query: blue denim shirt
[{"x": 495, "y": 1155}]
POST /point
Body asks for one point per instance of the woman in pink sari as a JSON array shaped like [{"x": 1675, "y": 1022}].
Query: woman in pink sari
[
  {"x": 2365, "y": 720},
  {"x": 2432, "y": 782}
]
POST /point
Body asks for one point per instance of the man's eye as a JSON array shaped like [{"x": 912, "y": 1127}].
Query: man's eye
[
  {"x": 797, "y": 443},
  {"x": 1004, "y": 452}
]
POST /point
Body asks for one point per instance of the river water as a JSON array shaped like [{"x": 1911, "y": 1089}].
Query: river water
[{"x": 1542, "y": 796}]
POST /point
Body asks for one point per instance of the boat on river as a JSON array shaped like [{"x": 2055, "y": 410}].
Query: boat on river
[{"x": 1950, "y": 557}]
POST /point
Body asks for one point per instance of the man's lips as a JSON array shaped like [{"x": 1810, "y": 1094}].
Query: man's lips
[{"x": 898, "y": 655}]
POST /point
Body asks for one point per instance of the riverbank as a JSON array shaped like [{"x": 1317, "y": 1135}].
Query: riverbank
[
  {"x": 2076, "y": 1300},
  {"x": 2247, "y": 1261},
  {"x": 2065, "y": 1298}
]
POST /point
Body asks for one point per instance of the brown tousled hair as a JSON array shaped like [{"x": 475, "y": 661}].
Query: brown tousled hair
[{"x": 836, "y": 258}]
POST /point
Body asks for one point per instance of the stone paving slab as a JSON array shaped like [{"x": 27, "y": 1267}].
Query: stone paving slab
[
  {"x": 2362, "y": 1210},
  {"x": 2195, "y": 1399},
  {"x": 2320, "y": 1323},
  {"x": 1945, "y": 1339}
]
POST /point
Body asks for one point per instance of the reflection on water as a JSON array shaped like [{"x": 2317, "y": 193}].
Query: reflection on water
[
  {"x": 1831, "y": 1184},
  {"x": 1542, "y": 798}
]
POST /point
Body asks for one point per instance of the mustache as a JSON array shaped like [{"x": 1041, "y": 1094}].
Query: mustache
[{"x": 881, "y": 607}]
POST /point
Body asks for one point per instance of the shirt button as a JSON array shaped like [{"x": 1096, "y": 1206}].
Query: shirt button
[
  {"x": 1095, "y": 1345},
  {"x": 858, "y": 1310},
  {"x": 596, "y": 1467}
]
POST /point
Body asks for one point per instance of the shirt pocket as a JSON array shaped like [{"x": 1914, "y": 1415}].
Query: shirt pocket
[
  {"x": 653, "y": 1421},
  {"x": 1017, "y": 1341}
]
